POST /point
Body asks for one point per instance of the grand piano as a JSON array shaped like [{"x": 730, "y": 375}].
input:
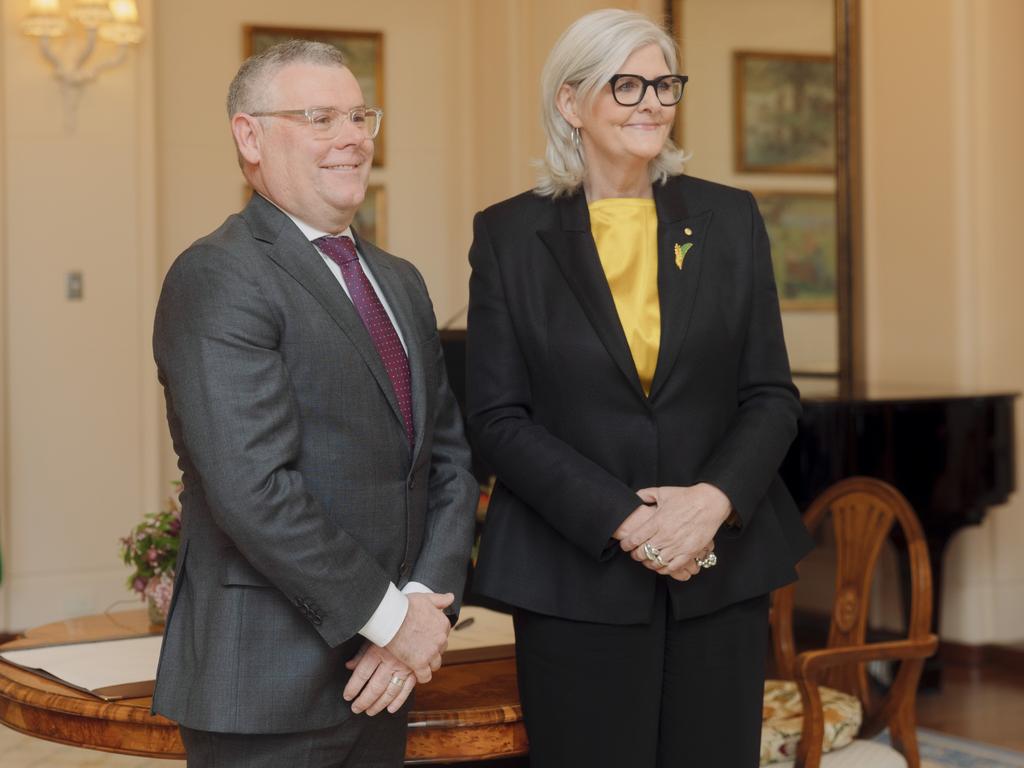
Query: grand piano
[{"x": 951, "y": 454}]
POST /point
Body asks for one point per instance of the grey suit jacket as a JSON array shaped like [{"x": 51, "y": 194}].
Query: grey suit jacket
[{"x": 301, "y": 498}]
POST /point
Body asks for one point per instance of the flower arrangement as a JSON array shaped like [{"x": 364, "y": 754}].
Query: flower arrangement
[{"x": 151, "y": 548}]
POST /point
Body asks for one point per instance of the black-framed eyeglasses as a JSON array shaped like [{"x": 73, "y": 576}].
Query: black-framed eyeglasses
[
  {"x": 629, "y": 90},
  {"x": 327, "y": 122}
]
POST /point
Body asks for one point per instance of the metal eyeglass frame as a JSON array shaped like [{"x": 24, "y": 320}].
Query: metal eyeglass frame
[
  {"x": 310, "y": 112},
  {"x": 648, "y": 84}
]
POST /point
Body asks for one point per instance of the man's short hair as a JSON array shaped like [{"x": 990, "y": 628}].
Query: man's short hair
[{"x": 248, "y": 90}]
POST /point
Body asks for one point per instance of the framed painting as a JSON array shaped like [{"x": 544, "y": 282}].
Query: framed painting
[
  {"x": 784, "y": 112},
  {"x": 363, "y": 51},
  {"x": 371, "y": 219},
  {"x": 802, "y": 231}
]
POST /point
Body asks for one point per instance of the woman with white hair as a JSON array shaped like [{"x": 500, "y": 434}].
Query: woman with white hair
[{"x": 628, "y": 383}]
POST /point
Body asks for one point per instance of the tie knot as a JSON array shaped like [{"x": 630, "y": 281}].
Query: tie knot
[{"x": 340, "y": 250}]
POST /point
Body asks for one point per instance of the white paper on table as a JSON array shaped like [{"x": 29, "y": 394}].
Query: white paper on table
[
  {"x": 480, "y": 634},
  {"x": 110, "y": 669}
]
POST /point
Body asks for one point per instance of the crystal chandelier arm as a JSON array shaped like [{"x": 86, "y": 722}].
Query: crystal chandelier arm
[
  {"x": 50, "y": 55},
  {"x": 87, "y": 50},
  {"x": 112, "y": 61}
]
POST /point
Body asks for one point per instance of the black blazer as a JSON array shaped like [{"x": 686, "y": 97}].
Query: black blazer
[{"x": 556, "y": 408}]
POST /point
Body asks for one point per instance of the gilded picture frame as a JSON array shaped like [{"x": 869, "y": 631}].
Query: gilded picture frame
[
  {"x": 784, "y": 112},
  {"x": 364, "y": 54}
]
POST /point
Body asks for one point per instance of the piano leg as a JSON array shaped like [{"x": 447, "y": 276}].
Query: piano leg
[{"x": 931, "y": 676}]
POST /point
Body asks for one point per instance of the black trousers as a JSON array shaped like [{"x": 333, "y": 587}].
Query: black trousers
[
  {"x": 670, "y": 694},
  {"x": 359, "y": 742}
]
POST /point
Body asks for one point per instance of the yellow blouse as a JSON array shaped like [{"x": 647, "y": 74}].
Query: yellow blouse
[{"x": 625, "y": 230}]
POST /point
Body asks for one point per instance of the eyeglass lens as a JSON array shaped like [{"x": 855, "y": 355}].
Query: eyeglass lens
[
  {"x": 328, "y": 121},
  {"x": 630, "y": 90}
]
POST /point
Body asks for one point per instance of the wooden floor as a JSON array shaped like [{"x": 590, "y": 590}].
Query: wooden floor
[{"x": 981, "y": 703}]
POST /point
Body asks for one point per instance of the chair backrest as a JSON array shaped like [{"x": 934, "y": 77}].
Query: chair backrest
[{"x": 863, "y": 512}]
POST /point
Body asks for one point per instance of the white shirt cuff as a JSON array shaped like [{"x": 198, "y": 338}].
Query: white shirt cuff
[
  {"x": 386, "y": 620},
  {"x": 415, "y": 586}
]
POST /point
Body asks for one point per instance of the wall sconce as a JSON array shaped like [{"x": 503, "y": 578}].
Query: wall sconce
[{"x": 116, "y": 21}]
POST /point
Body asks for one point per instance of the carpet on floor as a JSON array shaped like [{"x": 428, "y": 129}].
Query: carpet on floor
[{"x": 940, "y": 750}]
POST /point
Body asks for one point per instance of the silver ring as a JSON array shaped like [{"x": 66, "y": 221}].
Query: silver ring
[
  {"x": 651, "y": 552},
  {"x": 396, "y": 680},
  {"x": 708, "y": 562},
  {"x": 660, "y": 561}
]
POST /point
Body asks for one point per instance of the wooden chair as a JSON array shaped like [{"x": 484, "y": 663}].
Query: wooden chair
[{"x": 863, "y": 511}]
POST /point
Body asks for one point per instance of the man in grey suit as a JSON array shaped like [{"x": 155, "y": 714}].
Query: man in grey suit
[{"x": 327, "y": 506}]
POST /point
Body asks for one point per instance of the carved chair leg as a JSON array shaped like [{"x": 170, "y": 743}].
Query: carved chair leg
[{"x": 903, "y": 730}]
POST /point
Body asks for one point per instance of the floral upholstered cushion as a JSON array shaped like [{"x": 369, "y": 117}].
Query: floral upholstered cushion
[{"x": 783, "y": 720}]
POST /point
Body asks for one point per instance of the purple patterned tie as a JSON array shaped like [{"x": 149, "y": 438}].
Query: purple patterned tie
[{"x": 342, "y": 251}]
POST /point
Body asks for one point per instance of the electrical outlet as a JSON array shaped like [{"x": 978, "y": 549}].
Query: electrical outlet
[{"x": 74, "y": 286}]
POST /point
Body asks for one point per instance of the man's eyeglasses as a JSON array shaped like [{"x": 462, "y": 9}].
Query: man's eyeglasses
[
  {"x": 327, "y": 122},
  {"x": 629, "y": 90}
]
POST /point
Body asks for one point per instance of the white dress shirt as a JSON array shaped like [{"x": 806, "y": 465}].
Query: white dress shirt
[{"x": 385, "y": 621}]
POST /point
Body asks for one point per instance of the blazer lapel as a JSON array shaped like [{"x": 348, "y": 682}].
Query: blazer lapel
[
  {"x": 574, "y": 251},
  {"x": 300, "y": 259},
  {"x": 398, "y": 298},
  {"x": 681, "y": 258}
]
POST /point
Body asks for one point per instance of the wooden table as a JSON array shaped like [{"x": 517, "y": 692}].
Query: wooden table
[{"x": 469, "y": 711}]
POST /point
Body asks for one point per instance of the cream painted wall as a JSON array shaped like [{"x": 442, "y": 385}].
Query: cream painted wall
[
  {"x": 943, "y": 164},
  {"x": 81, "y": 446},
  {"x": 711, "y": 31},
  {"x": 4, "y": 516}
]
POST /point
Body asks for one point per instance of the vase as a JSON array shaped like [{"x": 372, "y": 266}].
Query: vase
[{"x": 156, "y": 616}]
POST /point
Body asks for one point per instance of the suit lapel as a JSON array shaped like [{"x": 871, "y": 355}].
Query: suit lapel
[
  {"x": 573, "y": 249},
  {"x": 291, "y": 251},
  {"x": 681, "y": 258},
  {"x": 398, "y": 298}
]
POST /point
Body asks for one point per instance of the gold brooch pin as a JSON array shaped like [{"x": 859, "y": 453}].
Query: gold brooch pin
[
  {"x": 681, "y": 251},
  {"x": 687, "y": 231}
]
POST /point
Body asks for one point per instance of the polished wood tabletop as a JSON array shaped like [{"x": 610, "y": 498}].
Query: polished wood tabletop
[{"x": 469, "y": 711}]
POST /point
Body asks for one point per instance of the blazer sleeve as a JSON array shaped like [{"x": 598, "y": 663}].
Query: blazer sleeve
[
  {"x": 453, "y": 492},
  {"x": 215, "y": 342},
  {"x": 747, "y": 458},
  {"x": 574, "y": 495}
]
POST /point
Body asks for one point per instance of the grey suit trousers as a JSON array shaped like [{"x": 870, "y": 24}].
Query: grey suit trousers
[{"x": 359, "y": 742}]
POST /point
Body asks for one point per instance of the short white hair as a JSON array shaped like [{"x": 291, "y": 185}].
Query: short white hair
[{"x": 585, "y": 57}]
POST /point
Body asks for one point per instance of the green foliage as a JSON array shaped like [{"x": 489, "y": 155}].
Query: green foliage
[{"x": 151, "y": 548}]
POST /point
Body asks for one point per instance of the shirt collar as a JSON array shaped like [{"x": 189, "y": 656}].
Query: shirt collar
[{"x": 312, "y": 233}]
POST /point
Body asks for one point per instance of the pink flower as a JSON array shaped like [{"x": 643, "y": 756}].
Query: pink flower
[
  {"x": 160, "y": 588},
  {"x": 139, "y": 585},
  {"x": 152, "y": 556}
]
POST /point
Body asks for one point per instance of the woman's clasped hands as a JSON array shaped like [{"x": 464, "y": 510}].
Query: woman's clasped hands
[{"x": 674, "y": 528}]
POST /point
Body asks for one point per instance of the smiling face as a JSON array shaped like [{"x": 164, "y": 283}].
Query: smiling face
[
  {"x": 618, "y": 140},
  {"x": 320, "y": 181}
]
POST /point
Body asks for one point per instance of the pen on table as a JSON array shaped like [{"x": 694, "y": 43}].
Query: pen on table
[{"x": 464, "y": 623}]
